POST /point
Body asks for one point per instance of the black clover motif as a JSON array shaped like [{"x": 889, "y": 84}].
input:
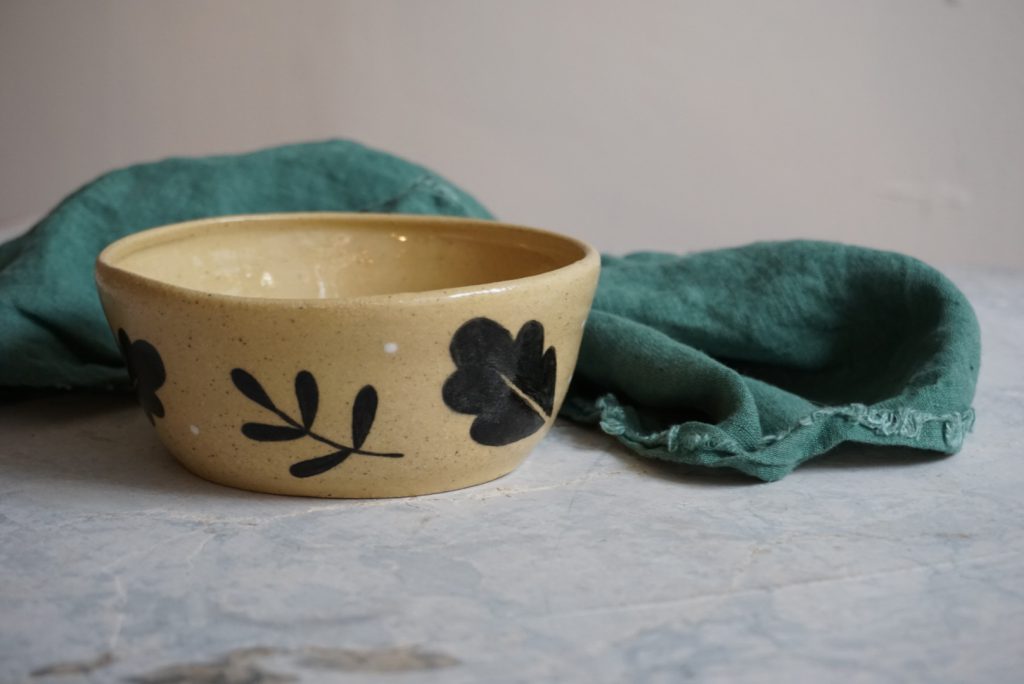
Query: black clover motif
[
  {"x": 146, "y": 370},
  {"x": 307, "y": 396},
  {"x": 509, "y": 385}
]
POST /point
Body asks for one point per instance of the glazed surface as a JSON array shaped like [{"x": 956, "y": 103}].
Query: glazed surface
[{"x": 317, "y": 258}]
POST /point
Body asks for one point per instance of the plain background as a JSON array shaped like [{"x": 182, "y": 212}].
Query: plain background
[{"x": 665, "y": 125}]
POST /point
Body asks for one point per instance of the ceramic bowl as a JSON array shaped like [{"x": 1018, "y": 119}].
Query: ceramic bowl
[{"x": 348, "y": 355}]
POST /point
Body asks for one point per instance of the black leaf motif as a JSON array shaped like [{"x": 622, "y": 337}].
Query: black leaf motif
[
  {"x": 317, "y": 466},
  {"x": 251, "y": 387},
  {"x": 364, "y": 411},
  {"x": 261, "y": 432},
  {"x": 308, "y": 396},
  {"x": 508, "y": 384},
  {"x": 146, "y": 370},
  {"x": 535, "y": 368}
]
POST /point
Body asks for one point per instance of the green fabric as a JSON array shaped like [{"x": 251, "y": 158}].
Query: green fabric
[
  {"x": 52, "y": 330},
  {"x": 756, "y": 358},
  {"x": 761, "y": 357}
]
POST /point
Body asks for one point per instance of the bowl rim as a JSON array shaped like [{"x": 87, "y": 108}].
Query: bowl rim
[{"x": 106, "y": 270}]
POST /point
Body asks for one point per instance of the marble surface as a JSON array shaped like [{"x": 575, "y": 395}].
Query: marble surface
[{"x": 586, "y": 565}]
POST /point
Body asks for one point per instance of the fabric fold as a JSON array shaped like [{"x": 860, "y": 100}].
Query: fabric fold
[{"x": 761, "y": 357}]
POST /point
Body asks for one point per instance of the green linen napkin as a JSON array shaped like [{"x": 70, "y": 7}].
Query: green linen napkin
[
  {"x": 756, "y": 358},
  {"x": 761, "y": 357}
]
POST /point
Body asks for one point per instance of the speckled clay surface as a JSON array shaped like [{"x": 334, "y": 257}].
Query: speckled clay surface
[{"x": 341, "y": 355}]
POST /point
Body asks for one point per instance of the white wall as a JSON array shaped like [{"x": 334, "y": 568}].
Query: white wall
[{"x": 671, "y": 125}]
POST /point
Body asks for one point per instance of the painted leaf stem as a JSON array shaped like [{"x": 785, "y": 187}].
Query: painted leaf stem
[{"x": 307, "y": 397}]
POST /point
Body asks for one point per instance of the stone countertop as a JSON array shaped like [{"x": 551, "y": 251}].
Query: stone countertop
[{"x": 586, "y": 565}]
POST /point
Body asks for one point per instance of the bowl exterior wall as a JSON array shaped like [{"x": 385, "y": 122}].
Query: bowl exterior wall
[{"x": 195, "y": 358}]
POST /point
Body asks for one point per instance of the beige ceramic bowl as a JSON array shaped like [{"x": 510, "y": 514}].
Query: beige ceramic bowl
[{"x": 348, "y": 355}]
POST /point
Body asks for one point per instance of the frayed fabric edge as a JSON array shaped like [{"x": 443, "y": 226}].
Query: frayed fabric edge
[
  {"x": 614, "y": 420},
  {"x": 907, "y": 423}
]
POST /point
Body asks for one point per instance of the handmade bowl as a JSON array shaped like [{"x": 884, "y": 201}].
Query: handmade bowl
[{"x": 348, "y": 355}]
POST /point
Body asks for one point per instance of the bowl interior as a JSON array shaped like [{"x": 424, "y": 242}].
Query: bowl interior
[{"x": 310, "y": 256}]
